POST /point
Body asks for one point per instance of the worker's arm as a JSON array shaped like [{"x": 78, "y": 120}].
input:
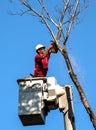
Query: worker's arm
[{"x": 48, "y": 51}]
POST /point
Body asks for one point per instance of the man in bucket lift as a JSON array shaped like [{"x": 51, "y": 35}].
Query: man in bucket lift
[{"x": 42, "y": 58}]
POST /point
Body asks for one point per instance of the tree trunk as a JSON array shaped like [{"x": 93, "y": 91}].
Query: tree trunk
[{"x": 79, "y": 88}]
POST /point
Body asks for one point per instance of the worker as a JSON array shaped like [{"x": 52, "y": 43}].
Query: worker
[{"x": 42, "y": 58}]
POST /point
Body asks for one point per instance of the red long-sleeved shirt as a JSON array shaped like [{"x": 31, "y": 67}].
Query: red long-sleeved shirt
[{"x": 41, "y": 65}]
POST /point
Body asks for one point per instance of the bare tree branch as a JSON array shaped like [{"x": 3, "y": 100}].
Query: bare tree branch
[
  {"x": 49, "y": 17},
  {"x": 71, "y": 21},
  {"x": 41, "y": 16},
  {"x": 61, "y": 20}
]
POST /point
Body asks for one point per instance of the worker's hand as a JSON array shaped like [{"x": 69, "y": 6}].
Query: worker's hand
[
  {"x": 53, "y": 48},
  {"x": 50, "y": 48}
]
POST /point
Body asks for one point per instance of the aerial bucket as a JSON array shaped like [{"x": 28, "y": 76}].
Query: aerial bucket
[{"x": 31, "y": 108}]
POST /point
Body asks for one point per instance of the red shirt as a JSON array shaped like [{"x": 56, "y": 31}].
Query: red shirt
[{"x": 41, "y": 65}]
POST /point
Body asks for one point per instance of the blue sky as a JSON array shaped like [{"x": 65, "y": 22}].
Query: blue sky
[{"x": 18, "y": 38}]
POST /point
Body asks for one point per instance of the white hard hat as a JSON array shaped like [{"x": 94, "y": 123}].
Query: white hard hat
[{"x": 39, "y": 46}]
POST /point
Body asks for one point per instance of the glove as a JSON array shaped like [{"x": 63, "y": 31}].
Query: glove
[{"x": 54, "y": 49}]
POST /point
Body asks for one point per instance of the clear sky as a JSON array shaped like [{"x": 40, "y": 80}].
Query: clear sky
[{"x": 18, "y": 38}]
